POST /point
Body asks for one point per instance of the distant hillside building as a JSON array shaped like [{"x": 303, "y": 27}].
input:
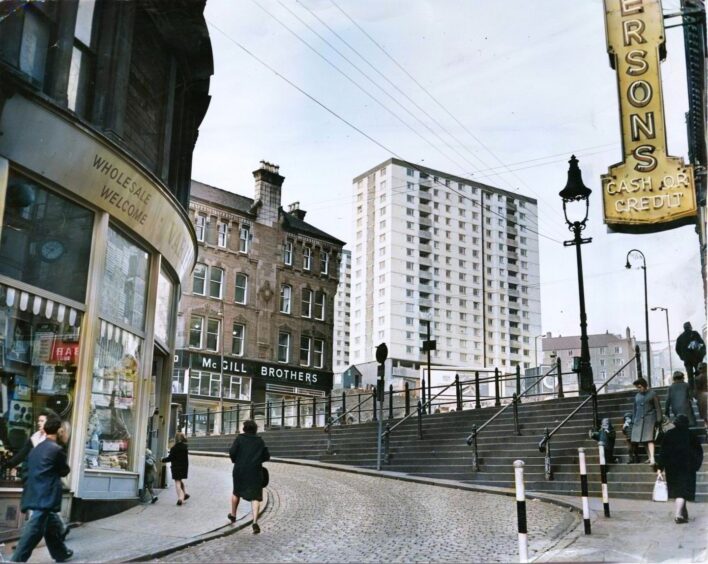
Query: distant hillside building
[
  {"x": 608, "y": 354},
  {"x": 256, "y": 322}
]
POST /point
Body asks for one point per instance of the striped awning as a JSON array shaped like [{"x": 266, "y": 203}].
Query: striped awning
[
  {"x": 29, "y": 302},
  {"x": 127, "y": 340}
]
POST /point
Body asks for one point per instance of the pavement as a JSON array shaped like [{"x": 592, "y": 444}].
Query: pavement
[{"x": 317, "y": 512}]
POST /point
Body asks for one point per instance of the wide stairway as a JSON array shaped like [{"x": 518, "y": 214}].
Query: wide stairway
[{"x": 443, "y": 452}]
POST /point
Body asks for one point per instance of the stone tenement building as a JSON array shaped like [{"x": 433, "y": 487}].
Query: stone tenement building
[{"x": 256, "y": 322}]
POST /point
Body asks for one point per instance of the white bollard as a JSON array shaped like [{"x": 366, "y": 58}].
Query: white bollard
[
  {"x": 603, "y": 480},
  {"x": 584, "y": 489},
  {"x": 521, "y": 510}
]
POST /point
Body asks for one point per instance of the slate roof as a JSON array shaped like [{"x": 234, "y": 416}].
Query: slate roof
[{"x": 594, "y": 341}]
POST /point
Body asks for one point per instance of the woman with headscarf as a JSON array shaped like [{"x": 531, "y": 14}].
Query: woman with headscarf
[
  {"x": 681, "y": 456},
  {"x": 248, "y": 453},
  {"x": 647, "y": 412}
]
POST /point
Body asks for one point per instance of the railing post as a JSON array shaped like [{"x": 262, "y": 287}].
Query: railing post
[
  {"x": 547, "y": 468},
  {"x": 515, "y": 407},
  {"x": 477, "y": 400},
  {"x": 343, "y": 421},
  {"x": 595, "y": 417},
  {"x": 458, "y": 392},
  {"x": 269, "y": 415},
  {"x": 208, "y": 413},
  {"x": 521, "y": 510},
  {"x": 328, "y": 413},
  {"x": 423, "y": 390},
  {"x": 282, "y": 413},
  {"x": 194, "y": 422},
  {"x": 390, "y": 401},
  {"x": 408, "y": 399},
  {"x": 387, "y": 457},
  {"x": 358, "y": 407},
  {"x": 314, "y": 411},
  {"x": 298, "y": 412},
  {"x": 638, "y": 358},
  {"x": 253, "y": 412},
  {"x": 420, "y": 419},
  {"x": 475, "y": 453},
  {"x": 497, "y": 399},
  {"x": 560, "y": 378},
  {"x": 328, "y": 428},
  {"x": 238, "y": 418},
  {"x": 518, "y": 382},
  {"x": 373, "y": 403}
]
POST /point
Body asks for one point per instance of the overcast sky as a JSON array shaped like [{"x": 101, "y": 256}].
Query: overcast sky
[{"x": 518, "y": 86}]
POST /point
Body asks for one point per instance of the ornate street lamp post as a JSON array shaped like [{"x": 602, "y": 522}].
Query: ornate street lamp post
[
  {"x": 646, "y": 308},
  {"x": 576, "y": 193}
]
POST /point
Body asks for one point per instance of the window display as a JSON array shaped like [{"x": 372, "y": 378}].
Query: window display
[
  {"x": 111, "y": 424},
  {"x": 39, "y": 346}
]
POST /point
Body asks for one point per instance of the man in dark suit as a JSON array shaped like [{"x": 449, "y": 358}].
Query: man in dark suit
[
  {"x": 691, "y": 350},
  {"x": 46, "y": 465}
]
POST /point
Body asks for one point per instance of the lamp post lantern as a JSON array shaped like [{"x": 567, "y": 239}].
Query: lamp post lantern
[
  {"x": 668, "y": 337},
  {"x": 646, "y": 308},
  {"x": 576, "y": 193}
]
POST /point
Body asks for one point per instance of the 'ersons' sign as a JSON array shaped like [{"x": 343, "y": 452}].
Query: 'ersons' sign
[{"x": 649, "y": 191}]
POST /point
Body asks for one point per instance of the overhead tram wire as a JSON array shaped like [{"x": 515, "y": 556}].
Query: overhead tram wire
[
  {"x": 461, "y": 167},
  {"x": 470, "y": 133},
  {"x": 357, "y": 129}
]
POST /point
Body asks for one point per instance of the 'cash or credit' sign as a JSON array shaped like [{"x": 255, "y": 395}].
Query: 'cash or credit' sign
[{"x": 649, "y": 190}]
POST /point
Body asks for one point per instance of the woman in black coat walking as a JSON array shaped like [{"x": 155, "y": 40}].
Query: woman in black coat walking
[
  {"x": 248, "y": 453},
  {"x": 179, "y": 457},
  {"x": 681, "y": 456}
]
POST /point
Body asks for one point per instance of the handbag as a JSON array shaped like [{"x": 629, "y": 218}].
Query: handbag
[
  {"x": 661, "y": 492},
  {"x": 266, "y": 476}
]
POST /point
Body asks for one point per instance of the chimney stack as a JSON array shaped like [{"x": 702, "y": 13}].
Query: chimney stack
[
  {"x": 295, "y": 210},
  {"x": 268, "y": 187}
]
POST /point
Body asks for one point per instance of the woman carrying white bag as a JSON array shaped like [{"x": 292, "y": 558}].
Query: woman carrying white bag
[{"x": 681, "y": 456}]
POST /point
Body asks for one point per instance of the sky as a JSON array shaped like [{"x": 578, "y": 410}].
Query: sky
[{"x": 499, "y": 92}]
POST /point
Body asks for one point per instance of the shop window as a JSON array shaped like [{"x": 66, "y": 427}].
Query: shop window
[
  {"x": 199, "y": 279},
  {"x": 125, "y": 281},
  {"x": 283, "y": 347},
  {"x": 318, "y": 353},
  {"x": 288, "y": 253},
  {"x": 178, "y": 381},
  {"x": 45, "y": 239},
  {"x": 307, "y": 258},
  {"x": 238, "y": 339},
  {"x": 324, "y": 262},
  {"x": 241, "y": 294},
  {"x": 221, "y": 231},
  {"x": 203, "y": 383},
  {"x": 244, "y": 241},
  {"x": 320, "y": 301},
  {"x": 216, "y": 281},
  {"x": 83, "y": 57},
  {"x": 305, "y": 350},
  {"x": 285, "y": 295},
  {"x": 306, "y": 302},
  {"x": 212, "y": 334},
  {"x": 38, "y": 362},
  {"x": 111, "y": 422},
  {"x": 164, "y": 310},
  {"x": 200, "y": 226},
  {"x": 195, "y": 331},
  {"x": 237, "y": 387}
]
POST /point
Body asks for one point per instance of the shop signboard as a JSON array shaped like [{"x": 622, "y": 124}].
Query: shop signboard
[
  {"x": 649, "y": 190},
  {"x": 300, "y": 376}
]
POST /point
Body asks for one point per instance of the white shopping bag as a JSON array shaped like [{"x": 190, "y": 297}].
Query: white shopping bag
[{"x": 661, "y": 492}]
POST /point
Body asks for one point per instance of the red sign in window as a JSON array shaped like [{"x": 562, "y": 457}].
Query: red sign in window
[{"x": 65, "y": 352}]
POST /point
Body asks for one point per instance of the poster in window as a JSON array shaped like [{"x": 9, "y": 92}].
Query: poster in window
[{"x": 18, "y": 346}]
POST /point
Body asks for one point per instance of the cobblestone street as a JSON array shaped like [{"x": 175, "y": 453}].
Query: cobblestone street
[{"x": 318, "y": 515}]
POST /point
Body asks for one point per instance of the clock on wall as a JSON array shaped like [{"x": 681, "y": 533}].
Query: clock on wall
[{"x": 51, "y": 250}]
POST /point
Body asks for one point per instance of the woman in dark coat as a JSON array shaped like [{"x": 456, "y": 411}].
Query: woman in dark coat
[
  {"x": 179, "y": 457},
  {"x": 248, "y": 453},
  {"x": 678, "y": 399},
  {"x": 647, "y": 410},
  {"x": 681, "y": 456}
]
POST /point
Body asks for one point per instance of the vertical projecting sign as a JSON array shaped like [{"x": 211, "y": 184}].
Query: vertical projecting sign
[{"x": 649, "y": 191}]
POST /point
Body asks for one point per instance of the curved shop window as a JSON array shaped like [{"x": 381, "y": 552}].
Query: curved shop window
[{"x": 118, "y": 357}]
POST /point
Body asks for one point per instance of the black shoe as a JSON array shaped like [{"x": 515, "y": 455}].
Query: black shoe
[
  {"x": 67, "y": 556},
  {"x": 179, "y": 502},
  {"x": 231, "y": 518},
  {"x": 680, "y": 520},
  {"x": 186, "y": 496},
  {"x": 256, "y": 529},
  {"x": 684, "y": 513},
  {"x": 154, "y": 500}
]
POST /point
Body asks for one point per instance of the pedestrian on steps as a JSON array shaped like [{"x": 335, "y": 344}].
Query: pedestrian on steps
[
  {"x": 681, "y": 456},
  {"x": 179, "y": 458},
  {"x": 647, "y": 413},
  {"x": 678, "y": 400},
  {"x": 691, "y": 350},
  {"x": 248, "y": 453}
]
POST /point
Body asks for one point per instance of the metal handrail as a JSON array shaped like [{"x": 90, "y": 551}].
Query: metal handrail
[
  {"x": 333, "y": 420},
  {"x": 476, "y": 431},
  {"x": 547, "y": 436}
]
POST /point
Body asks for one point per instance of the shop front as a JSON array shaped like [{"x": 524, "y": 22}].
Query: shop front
[{"x": 92, "y": 251}]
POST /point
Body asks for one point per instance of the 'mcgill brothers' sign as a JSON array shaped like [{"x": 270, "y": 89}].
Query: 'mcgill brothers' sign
[
  {"x": 649, "y": 191},
  {"x": 296, "y": 376}
]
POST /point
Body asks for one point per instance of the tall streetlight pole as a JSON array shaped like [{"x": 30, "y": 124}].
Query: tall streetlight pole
[
  {"x": 668, "y": 337},
  {"x": 646, "y": 308},
  {"x": 576, "y": 191}
]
